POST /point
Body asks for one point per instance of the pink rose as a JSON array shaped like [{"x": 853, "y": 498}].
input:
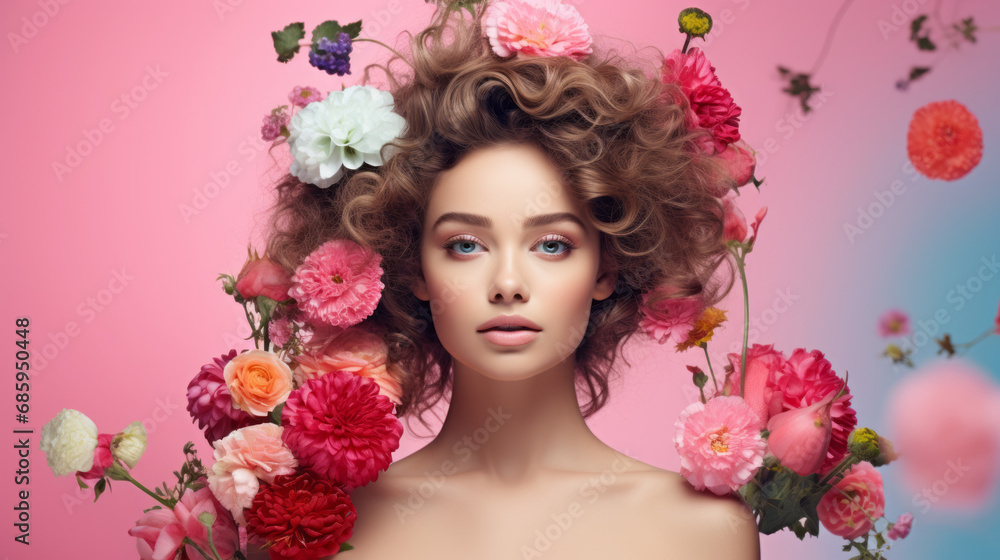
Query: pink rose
[
  {"x": 845, "y": 516},
  {"x": 536, "y": 28},
  {"x": 800, "y": 437},
  {"x": 740, "y": 162},
  {"x": 160, "y": 532},
  {"x": 763, "y": 362},
  {"x": 356, "y": 350},
  {"x": 243, "y": 459},
  {"x": 263, "y": 277}
]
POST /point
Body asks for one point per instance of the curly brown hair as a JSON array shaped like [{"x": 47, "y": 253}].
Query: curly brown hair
[{"x": 617, "y": 135}]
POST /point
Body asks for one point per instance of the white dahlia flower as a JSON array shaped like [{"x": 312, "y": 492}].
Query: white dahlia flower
[
  {"x": 344, "y": 130},
  {"x": 69, "y": 441}
]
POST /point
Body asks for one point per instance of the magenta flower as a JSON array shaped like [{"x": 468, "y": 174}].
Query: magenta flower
[
  {"x": 719, "y": 444},
  {"x": 710, "y": 106},
  {"x": 338, "y": 283},
  {"x": 901, "y": 527},
  {"x": 671, "y": 319},
  {"x": 300, "y": 96},
  {"x": 894, "y": 323},
  {"x": 341, "y": 428},
  {"x": 536, "y": 28},
  {"x": 273, "y": 122},
  {"x": 211, "y": 404}
]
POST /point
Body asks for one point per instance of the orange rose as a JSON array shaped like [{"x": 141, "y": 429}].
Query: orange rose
[{"x": 258, "y": 381}]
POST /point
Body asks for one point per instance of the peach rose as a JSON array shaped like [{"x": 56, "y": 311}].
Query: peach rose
[
  {"x": 258, "y": 381},
  {"x": 356, "y": 350}
]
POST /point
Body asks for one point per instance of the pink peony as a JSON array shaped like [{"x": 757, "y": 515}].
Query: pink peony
[
  {"x": 946, "y": 429},
  {"x": 211, "y": 404},
  {"x": 338, "y": 283},
  {"x": 763, "y": 361},
  {"x": 719, "y": 444},
  {"x": 894, "y": 323},
  {"x": 536, "y": 28},
  {"x": 740, "y": 162},
  {"x": 848, "y": 516},
  {"x": 356, "y": 350},
  {"x": 800, "y": 437},
  {"x": 261, "y": 276},
  {"x": 901, "y": 527},
  {"x": 300, "y": 96},
  {"x": 160, "y": 532},
  {"x": 102, "y": 458},
  {"x": 243, "y": 459},
  {"x": 735, "y": 224},
  {"x": 670, "y": 319},
  {"x": 340, "y": 428},
  {"x": 805, "y": 379}
]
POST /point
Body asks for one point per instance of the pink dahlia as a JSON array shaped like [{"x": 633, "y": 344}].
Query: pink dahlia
[
  {"x": 338, "y": 283},
  {"x": 341, "y": 428},
  {"x": 300, "y": 96},
  {"x": 719, "y": 444},
  {"x": 161, "y": 532},
  {"x": 805, "y": 379},
  {"x": 211, "y": 404},
  {"x": 670, "y": 319},
  {"x": 894, "y": 323},
  {"x": 846, "y": 512},
  {"x": 536, "y": 28},
  {"x": 355, "y": 350}
]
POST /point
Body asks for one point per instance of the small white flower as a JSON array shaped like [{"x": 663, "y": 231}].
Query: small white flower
[
  {"x": 346, "y": 129},
  {"x": 130, "y": 444},
  {"x": 69, "y": 441}
]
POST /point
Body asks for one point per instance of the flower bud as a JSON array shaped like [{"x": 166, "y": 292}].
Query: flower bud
[
  {"x": 886, "y": 453},
  {"x": 694, "y": 22},
  {"x": 129, "y": 445},
  {"x": 800, "y": 437},
  {"x": 863, "y": 443}
]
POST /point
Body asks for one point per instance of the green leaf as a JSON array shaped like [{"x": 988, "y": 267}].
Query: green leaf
[
  {"x": 925, "y": 44},
  {"x": 276, "y": 413},
  {"x": 80, "y": 482},
  {"x": 286, "y": 41},
  {"x": 916, "y": 25},
  {"x": 265, "y": 306},
  {"x": 847, "y": 547},
  {"x": 345, "y": 546},
  {"x": 329, "y": 29},
  {"x": 353, "y": 29},
  {"x": 879, "y": 540},
  {"x": 99, "y": 488}
]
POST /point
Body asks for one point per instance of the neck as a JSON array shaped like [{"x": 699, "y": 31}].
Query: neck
[{"x": 512, "y": 430}]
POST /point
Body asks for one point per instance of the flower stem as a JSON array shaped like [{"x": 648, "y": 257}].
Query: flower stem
[
  {"x": 846, "y": 462},
  {"x": 710, "y": 370},
  {"x": 978, "y": 339},
  {"x": 687, "y": 41},
  {"x": 121, "y": 474},
  {"x": 189, "y": 542},
  {"x": 392, "y": 50},
  {"x": 211, "y": 543},
  {"x": 746, "y": 317}
]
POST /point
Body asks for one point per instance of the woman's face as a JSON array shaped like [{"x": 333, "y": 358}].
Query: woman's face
[{"x": 503, "y": 237}]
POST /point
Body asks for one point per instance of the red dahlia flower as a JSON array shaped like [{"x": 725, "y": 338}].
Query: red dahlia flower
[{"x": 944, "y": 140}]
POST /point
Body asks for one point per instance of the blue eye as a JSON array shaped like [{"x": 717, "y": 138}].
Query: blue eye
[
  {"x": 462, "y": 246},
  {"x": 551, "y": 246}
]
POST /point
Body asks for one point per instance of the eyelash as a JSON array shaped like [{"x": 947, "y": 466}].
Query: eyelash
[{"x": 570, "y": 246}]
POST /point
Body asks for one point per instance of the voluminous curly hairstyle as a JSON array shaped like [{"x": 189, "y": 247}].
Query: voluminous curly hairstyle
[{"x": 616, "y": 134}]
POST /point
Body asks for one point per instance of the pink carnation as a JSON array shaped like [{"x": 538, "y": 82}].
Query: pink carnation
[
  {"x": 894, "y": 323},
  {"x": 160, "y": 532},
  {"x": 341, "y": 428},
  {"x": 536, "y": 28},
  {"x": 243, "y": 459},
  {"x": 670, "y": 319},
  {"x": 211, "y": 404},
  {"x": 848, "y": 516},
  {"x": 805, "y": 379},
  {"x": 338, "y": 283},
  {"x": 300, "y": 96},
  {"x": 356, "y": 350},
  {"x": 719, "y": 444},
  {"x": 718, "y": 114},
  {"x": 901, "y": 528}
]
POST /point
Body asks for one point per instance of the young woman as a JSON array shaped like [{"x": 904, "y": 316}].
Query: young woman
[{"x": 528, "y": 206}]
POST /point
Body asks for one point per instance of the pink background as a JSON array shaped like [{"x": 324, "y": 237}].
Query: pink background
[{"x": 199, "y": 77}]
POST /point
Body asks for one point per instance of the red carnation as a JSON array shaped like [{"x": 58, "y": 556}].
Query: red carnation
[
  {"x": 341, "y": 428},
  {"x": 300, "y": 517},
  {"x": 211, "y": 404}
]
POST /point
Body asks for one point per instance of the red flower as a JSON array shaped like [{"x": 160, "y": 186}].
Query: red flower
[
  {"x": 341, "y": 428},
  {"x": 102, "y": 458},
  {"x": 944, "y": 141},
  {"x": 210, "y": 403},
  {"x": 261, "y": 276},
  {"x": 301, "y": 517},
  {"x": 717, "y": 113}
]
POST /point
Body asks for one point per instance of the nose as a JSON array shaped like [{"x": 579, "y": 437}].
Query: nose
[{"x": 508, "y": 282}]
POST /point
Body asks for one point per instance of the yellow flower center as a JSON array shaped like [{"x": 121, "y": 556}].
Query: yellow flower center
[
  {"x": 694, "y": 24},
  {"x": 719, "y": 440}
]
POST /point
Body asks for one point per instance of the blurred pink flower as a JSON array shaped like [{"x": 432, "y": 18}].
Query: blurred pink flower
[
  {"x": 338, "y": 283},
  {"x": 800, "y": 437},
  {"x": 356, "y": 350},
  {"x": 763, "y": 361},
  {"x": 341, "y": 429},
  {"x": 270, "y": 130},
  {"x": 894, "y": 323},
  {"x": 160, "y": 532},
  {"x": 805, "y": 379},
  {"x": 719, "y": 444},
  {"x": 845, "y": 516},
  {"x": 300, "y": 96},
  {"x": 757, "y": 219},
  {"x": 243, "y": 459},
  {"x": 102, "y": 458},
  {"x": 735, "y": 224},
  {"x": 211, "y": 404},
  {"x": 740, "y": 162},
  {"x": 901, "y": 528},
  {"x": 536, "y": 28},
  {"x": 670, "y": 319},
  {"x": 996, "y": 320},
  {"x": 946, "y": 429}
]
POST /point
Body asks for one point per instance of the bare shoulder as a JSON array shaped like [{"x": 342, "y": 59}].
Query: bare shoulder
[{"x": 701, "y": 524}]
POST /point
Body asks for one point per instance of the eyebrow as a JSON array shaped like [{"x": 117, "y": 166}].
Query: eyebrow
[{"x": 529, "y": 222}]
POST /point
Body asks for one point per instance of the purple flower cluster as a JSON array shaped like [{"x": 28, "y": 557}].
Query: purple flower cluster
[{"x": 332, "y": 57}]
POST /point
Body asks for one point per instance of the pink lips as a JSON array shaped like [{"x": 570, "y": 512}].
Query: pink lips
[
  {"x": 510, "y": 338},
  {"x": 527, "y": 332}
]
